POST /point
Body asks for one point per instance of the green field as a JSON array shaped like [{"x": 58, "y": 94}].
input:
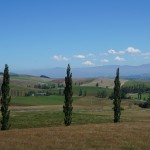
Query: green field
[
  {"x": 90, "y": 91},
  {"x": 37, "y": 122},
  {"x": 87, "y": 110},
  {"x": 38, "y": 100},
  {"x": 144, "y": 96},
  {"x": 42, "y": 127},
  {"x": 47, "y": 111},
  {"x": 21, "y": 120}
]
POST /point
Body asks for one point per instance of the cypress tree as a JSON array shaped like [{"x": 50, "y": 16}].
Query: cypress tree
[
  {"x": 117, "y": 98},
  {"x": 67, "y": 107},
  {"x": 5, "y": 100}
]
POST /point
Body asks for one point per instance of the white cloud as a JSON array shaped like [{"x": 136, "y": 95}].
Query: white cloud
[
  {"x": 130, "y": 50},
  {"x": 105, "y": 60},
  {"x": 133, "y": 50},
  {"x": 88, "y": 63},
  {"x": 60, "y": 58},
  {"x": 79, "y": 56},
  {"x": 114, "y": 52},
  {"x": 117, "y": 58},
  {"x": 111, "y": 51}
]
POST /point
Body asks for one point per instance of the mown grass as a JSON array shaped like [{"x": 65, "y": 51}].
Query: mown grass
[
  {"x": 144, "y": 96},
  {"x": 39, "y": 100},
  {"x": 87, "y": 110},
  {"x": 21, "y": 120},
  {"x": 90, "y": 91}
]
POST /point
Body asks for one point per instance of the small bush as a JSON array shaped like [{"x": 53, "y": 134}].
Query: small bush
[{"x": 144, "y": 105}]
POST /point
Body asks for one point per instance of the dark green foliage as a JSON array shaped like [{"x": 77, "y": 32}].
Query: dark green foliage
[
  {"x": 117, "y": 98},
  {"x": 136, "y": 88},
  {"x": 144, "y": 104},
  {"x": 102, "y": 94},
  {"x": 97, "y": 84},
  {"x": 5, "y": 100},
  {"x": 67, "y": 108},
  {"x": 123, "y": 94},
  {"x": 149, "y": 97},
  {"x": 80, "y": 92}
]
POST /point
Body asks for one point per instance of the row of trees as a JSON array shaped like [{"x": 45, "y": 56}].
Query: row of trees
[
  {"x": 135, "y": 88},
  {"x": 46, "y": 86},
  {"x": 138, "y": 88},
  {"x": 67, "y": 107}
]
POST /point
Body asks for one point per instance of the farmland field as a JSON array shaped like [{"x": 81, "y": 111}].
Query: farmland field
[
  {"x": 92, "y": 126},
  {"x": 37, "y": 122},
  {"x": 38, "y": 100},
  {"x": 144, "y": 96}
]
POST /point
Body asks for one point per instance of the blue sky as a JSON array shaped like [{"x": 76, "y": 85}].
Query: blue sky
[{"x": 41, "y": 34}]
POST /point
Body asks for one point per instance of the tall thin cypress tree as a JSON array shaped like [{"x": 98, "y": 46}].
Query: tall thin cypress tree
[
  {"x": 117, "y": 98},
  {"x": 67, "y": 107},
  {"x": 5, "y": 100}
]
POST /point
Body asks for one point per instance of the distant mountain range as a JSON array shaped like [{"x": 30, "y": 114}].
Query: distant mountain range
[{"x": 107, "y": 71}]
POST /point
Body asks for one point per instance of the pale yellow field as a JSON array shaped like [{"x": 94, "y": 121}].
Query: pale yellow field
[
  {"x": 103, "y": 82},
  {"x": 106, "y": 136}
]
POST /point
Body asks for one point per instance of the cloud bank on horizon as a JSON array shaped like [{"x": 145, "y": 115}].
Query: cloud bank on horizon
[{"x": 111, "y": 56}]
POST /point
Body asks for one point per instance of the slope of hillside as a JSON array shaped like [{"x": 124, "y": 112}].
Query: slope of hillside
[
  {"x": 26, "y": 81},
  {"x": 103, "y": 82}
]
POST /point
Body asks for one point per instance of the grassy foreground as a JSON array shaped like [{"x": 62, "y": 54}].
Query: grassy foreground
[
  {"x": 41, "y": 127},
  {"x": 125, "y": 136}
]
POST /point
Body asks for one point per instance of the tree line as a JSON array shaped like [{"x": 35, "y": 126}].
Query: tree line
[{"x": 135, "y": 88}]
